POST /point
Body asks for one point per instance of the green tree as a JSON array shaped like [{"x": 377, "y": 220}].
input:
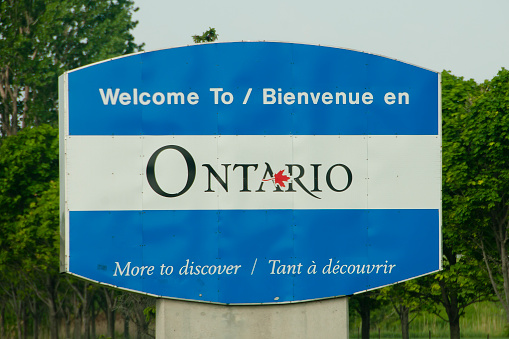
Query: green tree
[
  {"x": 208, "y": 36},
  {"x": 478, "y": 173},
  {"x": 452, "y": 290},
  {"x": 461, "y": 283},
  {"x": 363, "y": 304},
  {"x": 35, "y": 246},
  {"x": 29, "y": 238},
  {"x": 28, "y": 166},
  {"x": 40, "y": 39},
  {"x": 405, "y": 302}
]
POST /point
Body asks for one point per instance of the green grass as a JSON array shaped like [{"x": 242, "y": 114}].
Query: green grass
[{"x": 479, "y": 320}]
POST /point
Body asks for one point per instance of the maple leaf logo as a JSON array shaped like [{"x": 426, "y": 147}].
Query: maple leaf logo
[{"x": 279, "y": 178}]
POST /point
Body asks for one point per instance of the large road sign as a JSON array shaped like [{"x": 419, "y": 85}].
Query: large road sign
[{"x": 251, "y": 172}]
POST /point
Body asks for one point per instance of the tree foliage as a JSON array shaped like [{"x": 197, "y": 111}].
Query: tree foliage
[
  {"x": 461, "y": 282},
  {"x": 29, "y": 215},
  {"x": 209, "y": 35},
  {"x": 30, "y": 282},
  {"x": 477, "y": 173},
  {"x": 405, "y": 302},
  {"x": 40, "y": 39},
  {"x": 28, "y": 166}
]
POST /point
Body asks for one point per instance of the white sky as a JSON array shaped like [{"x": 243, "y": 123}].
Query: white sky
[{"x": 467, "y": 37}]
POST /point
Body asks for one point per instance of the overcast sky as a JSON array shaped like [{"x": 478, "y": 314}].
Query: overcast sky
[{"x": 467, "y": 37}]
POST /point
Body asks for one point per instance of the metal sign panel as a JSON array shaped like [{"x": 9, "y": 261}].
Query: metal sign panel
[{"x": 251, "y": 172}]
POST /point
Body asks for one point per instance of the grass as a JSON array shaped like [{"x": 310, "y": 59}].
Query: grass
[{"x": 479, "y": 321}]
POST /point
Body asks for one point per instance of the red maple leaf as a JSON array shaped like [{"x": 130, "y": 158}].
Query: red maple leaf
[{"x": 280, "y": 178}]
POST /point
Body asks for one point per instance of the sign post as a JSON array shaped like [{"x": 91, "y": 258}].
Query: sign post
[
  {"x": 251, "y": 173},
  {"x": 318, "y": 319}
]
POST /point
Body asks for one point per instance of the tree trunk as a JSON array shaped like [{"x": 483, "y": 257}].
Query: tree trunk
[
  {"x": 77, "y": 318},
  {"x": 405, "y": 325},
  {"x": 19, "y": 321},
  {"x": 68, "y": 326},
  {"x": 110, "y": 298},
  {"x": 2, "y": 321},
  {"x": 85, "y": 318},
  {"x": 505, "y": 265},
  {"x": 36, "y": 326},
  {"x": 77, "y": 327},
  {"x": 34, "y": 314},
  {"x": 84, "y": 297},
  {"x": 53, "y": 322},
  {"x": 365, "y": 311},
  {"x": 454, "y": 328},
  {"x": 25, "y": 323},
  {"x": 92, "y": 318},
  {"x": 126, "y": 326},
  {"x": 111, "y": 324},
  {"x": 450, "y": 301}
]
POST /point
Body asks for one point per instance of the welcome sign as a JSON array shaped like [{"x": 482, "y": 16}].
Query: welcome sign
[{"x": 250, "y": 172}]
